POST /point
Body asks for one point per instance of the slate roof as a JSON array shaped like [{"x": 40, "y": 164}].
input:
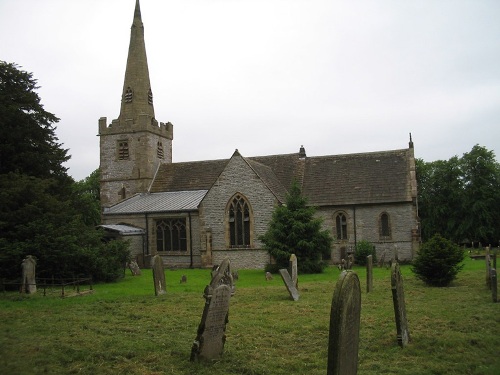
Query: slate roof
[
  {"x": 159, "y": 202},
  {"x": 335, "y": 180}
]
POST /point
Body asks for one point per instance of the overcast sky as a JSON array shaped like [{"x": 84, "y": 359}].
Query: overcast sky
[{"x": 267, "y": 76}]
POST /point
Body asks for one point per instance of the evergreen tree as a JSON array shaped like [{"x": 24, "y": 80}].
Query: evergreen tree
[
  {"x": 42, "y": 211},
  {"x": 294, "y": 229}
]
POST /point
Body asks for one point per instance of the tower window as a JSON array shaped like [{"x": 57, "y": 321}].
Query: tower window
[
  {"x": 123, "y": 153},
  {"x": 150, "y": 96},
  {"x": 159, "y": 151},
  {"x": 128, "y": 95}
]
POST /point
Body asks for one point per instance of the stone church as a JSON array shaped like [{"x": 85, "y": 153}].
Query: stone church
[{"x": 195, "y": 214}]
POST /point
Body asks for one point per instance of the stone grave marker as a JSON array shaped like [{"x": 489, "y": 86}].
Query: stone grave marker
[
  {"x": 494, "y": 285},
  {"x": 158, "y": 275},
  {"x": 293, "y": 271},
  {"x": 269, "y": 276},
  {"x": 398, "y": 299},
  {"x": 487, "y": 260},
  {"x": 134, "y": 268},
  {"x": 369, "y": 273},
  {"x": 290, "y": 286},
  {"x": 29, "y": 280},
  {"x": 211, "y": 335},
  {"x": 183, "y": 279},
  {"x": 343, "y": 340}
]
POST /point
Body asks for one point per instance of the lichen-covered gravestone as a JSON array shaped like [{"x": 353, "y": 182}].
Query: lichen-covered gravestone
[
  {"x": 343, "y": 341},
  {"x": 293, "y": 270},
  {"x": 398, "y": 298},
  {"x": 211, "y": 335},
  {"x": 29, "y": 280},
  {"x": 290, "y": 286},
  {"x": 158, "y": 275},
  {"x": 369, "y": 273}
]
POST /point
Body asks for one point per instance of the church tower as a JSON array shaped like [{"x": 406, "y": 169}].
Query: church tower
[{"x": 134, "y": 145}]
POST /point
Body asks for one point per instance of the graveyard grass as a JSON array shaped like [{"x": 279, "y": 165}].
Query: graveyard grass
[{"x": 123, "y": 328}]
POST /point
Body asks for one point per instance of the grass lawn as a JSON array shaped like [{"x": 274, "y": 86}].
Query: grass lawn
[{"x": 122, "y": 328}]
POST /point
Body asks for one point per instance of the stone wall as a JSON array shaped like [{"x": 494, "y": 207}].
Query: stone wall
[{"x": 242, "y": 259}]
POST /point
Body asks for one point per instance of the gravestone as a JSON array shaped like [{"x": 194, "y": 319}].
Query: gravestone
[
  {"x": 134, "y": 268},
  {"x": 183, "y": 279},
  {"x": 293, "y": 271},
  {"x": 290, "y": 286},
  {"x": 269, "y": 276},
  {"x": 369, "y": 273},
  {"x": 343, "y": 340},
  {"x": 236, "y": 275},
  {"x": 398, "y": 299},
  {"x": 29, "y": 281},
  {"x": 487, "y": 259},
  {"x": 158, "y": 275},
  {"x": 211, "y": 335},
  {"x": 494, "y": 285}
]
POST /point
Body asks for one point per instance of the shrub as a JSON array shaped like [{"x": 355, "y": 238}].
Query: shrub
[
  {"x": 438, "y": 261},
  {"x": 363, "y": 249}
]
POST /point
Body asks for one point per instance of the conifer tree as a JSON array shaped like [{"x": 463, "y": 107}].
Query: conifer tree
[{"x": 294, "y": 229}]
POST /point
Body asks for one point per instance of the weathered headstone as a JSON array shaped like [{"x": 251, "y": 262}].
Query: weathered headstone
[
  {"x": 369, "y": 273},
  {"x": 350, "y": 261},
  {"x": 398, "y": 298},
  {"x": 488, "y": 267},
  {"x": 343, "y": 341},
  {"x": 269, "y": 276},
  {"x": 29, "y": 281},
  {"x": 294, "y": 271},
  {"x": 236, "y": 276},
  {"x": 211, "y": 335},
  {"x": 134, "y": 268},
  {"x": 290, "y": 286},
  {"x": 183, "y": 279},
  {"x": 158, "y": 275},
  {"x": 494, "y": 285},
  {"x": 382, "y": 259}
]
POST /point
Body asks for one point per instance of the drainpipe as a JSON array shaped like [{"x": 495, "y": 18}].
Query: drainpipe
[
  {"x": 147, "y": 238},
  {"x": 190, "y": 242},
  {"x": 354, "y": 226}
]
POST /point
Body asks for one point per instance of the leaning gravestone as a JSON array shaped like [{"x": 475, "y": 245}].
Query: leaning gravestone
[
  {"x": 293, "y": 271},
  {"x": 269, "y": 276},
  {"x": 211, "y": 336},
  {"x": 343, "y": 341},
  {"x": 29, "y": 281},
  {"x": 290, "y": 286},
  {"x": 369, "y": 273},
  {"x": 134, "y": 268},
  {"x": 158, "y": 275},
  {"x": 398, "y": 298}
]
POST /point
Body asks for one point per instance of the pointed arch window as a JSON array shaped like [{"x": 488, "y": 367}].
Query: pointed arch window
[
  {"x": 341, "y": 226},
  {"x": 239, "y": 220},
  {"x": 129, "y": 95},
  {"x": 171, "y": 235},
  {"x": 384, "y": 226}
]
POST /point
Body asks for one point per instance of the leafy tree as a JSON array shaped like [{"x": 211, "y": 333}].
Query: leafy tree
[
  {"x": 42, "y": 211},
  {"x": 363, "y": 249},
  {"x": 460, "y": 198},
  {"x": 294, "y": 229},
  {"x": 88, "y": 194},
  {"x": 438, "y": 261}
]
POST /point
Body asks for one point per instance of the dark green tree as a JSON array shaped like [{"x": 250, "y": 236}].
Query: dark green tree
[
  {"x": 460, "y": 198},
  {"x": 88, "y": 198},
  {"x": 438, "y": 261},
  {"x": 294, "y": 229},
  {"x": 42, "y": 211},
  {"x": 363, "y": 249}
]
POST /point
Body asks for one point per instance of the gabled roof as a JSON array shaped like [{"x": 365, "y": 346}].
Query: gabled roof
[
  {"x": 335, "y": 180},
  {"x": 176, "y": 201}
]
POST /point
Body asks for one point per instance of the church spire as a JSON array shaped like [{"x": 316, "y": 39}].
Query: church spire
[{"x": 137, "y": 97}]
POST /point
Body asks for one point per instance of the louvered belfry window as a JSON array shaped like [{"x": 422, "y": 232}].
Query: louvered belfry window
[
  {"x": 123, "y": 153},
  {"x": 159, "y": 150},
  {"x": 239, "y": 222}
]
